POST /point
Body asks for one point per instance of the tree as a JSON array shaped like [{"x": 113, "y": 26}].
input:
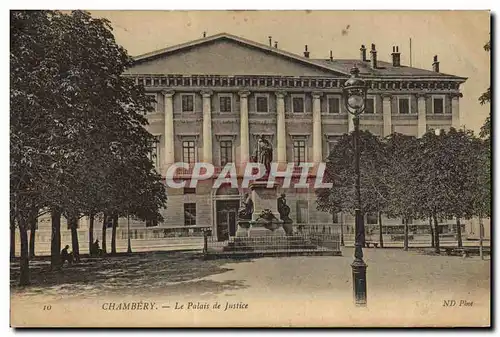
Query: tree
[
  {"x": 403, "y": 163},
  {"x": 340, "y": 172},
  {"x": 73, "y": 118},
  {"x": 447, "y": 180}
]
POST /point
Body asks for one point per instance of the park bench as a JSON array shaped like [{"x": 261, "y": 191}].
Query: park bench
[
  {"x": 401, "y": 237},
  {"x": 465, "y": 251}
]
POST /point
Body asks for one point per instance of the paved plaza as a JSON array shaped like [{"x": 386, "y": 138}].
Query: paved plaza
[{"x": 305, "y": 290}]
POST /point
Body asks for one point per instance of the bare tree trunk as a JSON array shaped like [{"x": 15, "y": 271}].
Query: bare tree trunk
[
  {"x": 342, "y": 232},
  {"x": 459, "y": 233},
  {"x": 380, "y": 235},
  {"x": 104, "y": 227},
  {"x": 481, "y": 235},
  {"x": 432, "y": 231},
  {"x": 341, "y": 228},
  {"x": 91, "y": 232},
  {"x": 405, "y": 241},
  {"x": 436, "y": 234},
  {"x": 74, "y": 238},
  {"x": 12, "y": 237},
  {"x": 32, "y": 225},
  {"x": 55, "y": 243},
  {"x": 113, "y": 234},
  {"x": 24, "y": 278}
]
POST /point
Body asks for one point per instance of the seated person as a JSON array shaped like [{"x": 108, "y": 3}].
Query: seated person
[
  {"x": 95, "y": 250},
  {"x": 66, "y": 256}
]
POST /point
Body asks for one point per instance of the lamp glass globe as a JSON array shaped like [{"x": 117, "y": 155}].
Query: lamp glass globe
[{"x": 355, "y": 101}]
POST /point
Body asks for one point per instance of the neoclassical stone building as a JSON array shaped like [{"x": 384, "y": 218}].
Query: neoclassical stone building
[{"x": 216, "y": 95}]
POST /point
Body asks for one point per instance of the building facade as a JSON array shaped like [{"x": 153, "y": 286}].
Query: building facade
[{"x": 215, "y": 96}]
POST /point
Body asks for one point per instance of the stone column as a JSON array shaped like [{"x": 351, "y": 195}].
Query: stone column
[
  {"x": 422, "y": 114},
  {"x": 169, "y": 158},
  {"x": 280, "y": 127},
  {"x": 317, "y": 139},
  {"x": 387, "y": 114},
  {"x": 207, "y": 126},
  {"x": 455, "y": 110},
  {"x": 244, "y": 132}
]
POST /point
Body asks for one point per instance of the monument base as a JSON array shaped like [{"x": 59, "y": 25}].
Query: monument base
[
  {"x": 258, "y": 231},
  {"x": 243, "y": 229}
]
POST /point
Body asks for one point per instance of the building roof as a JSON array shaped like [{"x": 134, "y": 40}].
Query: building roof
[
  {"x": 343, "y": 66},
  {"x": 384, "y": 69}
]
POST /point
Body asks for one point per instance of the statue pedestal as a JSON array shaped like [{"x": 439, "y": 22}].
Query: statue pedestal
[
  {"x": 264, "y": 198},
  {"x": 258, "y": 230}
]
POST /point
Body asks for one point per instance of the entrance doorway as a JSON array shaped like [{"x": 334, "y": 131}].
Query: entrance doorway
[{"x": 227, "y": 211}]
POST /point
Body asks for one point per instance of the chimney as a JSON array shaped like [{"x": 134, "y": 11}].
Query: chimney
[
  {"x": 270, "y": 41},
  {"x": 275, "y": 44},
  {"x": 373, "y": 57},
  {"x": 204, "y": 34},
  {"x": 363, "y": 53},
  {"x": 396, "y": 57},
  {"x": 306, "y": 53},
  {"x": 331, "y": 55},
  {"x": 435, "y": 64}
]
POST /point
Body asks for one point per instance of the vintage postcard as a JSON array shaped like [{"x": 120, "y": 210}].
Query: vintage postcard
[{"x": 250, "y": 169}]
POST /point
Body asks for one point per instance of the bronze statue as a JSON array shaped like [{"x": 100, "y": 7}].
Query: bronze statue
[
  {"x": 264, "y": 154},
  {"x": 246, "y": 209},
  {"x": 284, "y": 211}
]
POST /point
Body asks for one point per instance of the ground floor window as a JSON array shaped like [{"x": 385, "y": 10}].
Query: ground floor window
[
  {"x": 151, "y": 223},
  {"x": 302, "y": 211},
  {"x": 190, "y": 214},
  {"x": 371, "y": 219}
]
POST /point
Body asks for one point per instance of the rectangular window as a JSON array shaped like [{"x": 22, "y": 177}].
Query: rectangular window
[
  {"x": 68, "y": 225},
  {"x": 299, "y": 151},
  {"x": 332, "y": 140},
  {"x": 333, "y": 105},
  {"x": 109, "y": 222},
  {"x": 302, "y": 211},
  {"x": 190, "y": 214},
  {"x": 154, "y": 154},
  {"x": 370, "y": 106},
  {"x": 154, "y": 104},
  {"x": 262, "y": 104},
  {"x": 438, "y": 104},
  {"x": 188, "y": 151},
  {"x": 226, "y": 152},
  {"x": 371, "y": 219},
  {"x": 404, "y": 105},
  {"x": 336, "y": 217},
  {"x": 225, "y": 104},
  {"x": 151, "y": 223},
  {"x": 298, "y": 104},
  {"x": 189, "y": 190},
  {"x": 187, "y": 103}
]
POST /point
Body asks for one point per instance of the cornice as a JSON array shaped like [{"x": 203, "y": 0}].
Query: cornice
[{"x": 313, "y": 84}]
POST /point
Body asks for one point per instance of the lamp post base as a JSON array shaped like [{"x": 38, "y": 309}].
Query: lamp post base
[{"x": 359, "y": 282}]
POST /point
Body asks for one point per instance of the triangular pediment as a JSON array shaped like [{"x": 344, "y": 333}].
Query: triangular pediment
[{"x": 226, "y": 54}]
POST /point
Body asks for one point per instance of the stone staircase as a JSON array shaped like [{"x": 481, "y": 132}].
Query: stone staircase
[
  {"x": 268, "y": 243},
  {"x": 275, "y": 246}
]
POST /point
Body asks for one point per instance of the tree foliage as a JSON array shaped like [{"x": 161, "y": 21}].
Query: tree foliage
[
  {"x": 340, "y": 172},
  {"x": 78, "y": 140},
  {"x": 485, "y": 98},
  {"x": 437, "y": 176}
]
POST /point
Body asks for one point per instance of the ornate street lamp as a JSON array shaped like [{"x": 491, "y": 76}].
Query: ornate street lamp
[{"x": 354, "y": 93}]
